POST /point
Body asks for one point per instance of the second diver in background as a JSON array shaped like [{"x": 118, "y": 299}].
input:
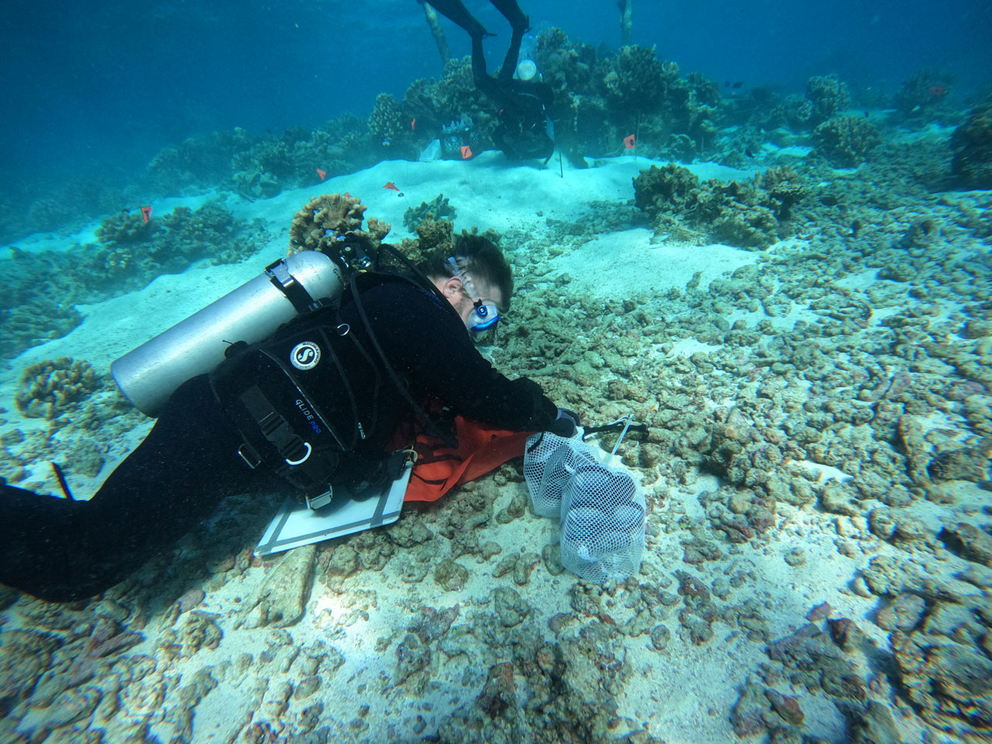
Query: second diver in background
[{"x": 524, "y": 129}]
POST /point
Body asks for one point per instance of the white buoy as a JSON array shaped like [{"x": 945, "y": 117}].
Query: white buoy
[{"x": 526, "y": 69}]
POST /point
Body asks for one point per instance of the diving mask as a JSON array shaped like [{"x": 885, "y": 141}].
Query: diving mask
[{"x": 485, "y": 313}]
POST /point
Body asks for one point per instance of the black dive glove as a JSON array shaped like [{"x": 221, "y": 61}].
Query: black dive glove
[{"x": 566, "y": 423}]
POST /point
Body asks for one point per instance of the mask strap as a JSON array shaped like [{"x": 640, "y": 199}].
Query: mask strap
[{"x": 459, "y": 270}]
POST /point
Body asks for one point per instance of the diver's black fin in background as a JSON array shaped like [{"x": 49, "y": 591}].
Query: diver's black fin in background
[
  {"x": 457, "y": 13},
  {"x": 511, "y": 11}
]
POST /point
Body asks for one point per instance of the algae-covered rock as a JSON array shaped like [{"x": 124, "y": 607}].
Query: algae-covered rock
[
  {"x": 972, "y": 146},
  {"x": 871, "y": 724},
  {"x": 950, "y": 684},
  {"x": 510, "y": 607},
  {"x": 814, "y": 661},
  {"x": 281, "y": 599},
  {"x": 965, "y": 463},
  {"x": 970, "y": 541},
  {"x": 450, "y": 575},
  {"x": 903, "y": 613}
]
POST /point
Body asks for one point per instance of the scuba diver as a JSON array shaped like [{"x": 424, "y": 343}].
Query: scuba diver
[
  {"x": 523, "y": 131},
  {"x": 397, "y": 347}
]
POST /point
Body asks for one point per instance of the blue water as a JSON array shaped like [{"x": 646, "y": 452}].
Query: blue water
[{"x": 95, "y": 90}]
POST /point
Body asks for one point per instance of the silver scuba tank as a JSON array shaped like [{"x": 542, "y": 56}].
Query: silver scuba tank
[{"x": 149, "y": 374}]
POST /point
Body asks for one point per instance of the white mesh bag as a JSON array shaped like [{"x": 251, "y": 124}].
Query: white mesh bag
[
  {"x": 549, "y": 461},
  {"x": 601, "y": 510},
  {"x": 602, "y": 523}
]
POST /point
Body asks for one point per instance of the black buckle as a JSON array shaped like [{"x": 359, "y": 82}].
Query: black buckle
[{"x": 247, "y": 453}]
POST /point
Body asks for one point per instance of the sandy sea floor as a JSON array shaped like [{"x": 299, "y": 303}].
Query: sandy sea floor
[{"x": 818, "y": 561}]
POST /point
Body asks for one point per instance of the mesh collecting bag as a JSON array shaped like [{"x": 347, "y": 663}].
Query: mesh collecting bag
[{"x": 600, "y": 509}]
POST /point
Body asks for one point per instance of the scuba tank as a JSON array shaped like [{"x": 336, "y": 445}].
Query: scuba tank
[{"x": 149, "y": 374}]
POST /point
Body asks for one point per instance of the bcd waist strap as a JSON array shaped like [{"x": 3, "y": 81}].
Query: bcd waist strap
[{"x": 302, "y": 464}]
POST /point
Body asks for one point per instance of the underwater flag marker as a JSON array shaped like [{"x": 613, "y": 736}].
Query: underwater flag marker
[
  {"x": 466, "y": 152},
  {"x": 322, "y": 174},
  {"x": 392, "y": 187},
  {"x": 146, "y": 212},
  {"x": 630, "y": 142},
  {"x": 413, "y": 124}
]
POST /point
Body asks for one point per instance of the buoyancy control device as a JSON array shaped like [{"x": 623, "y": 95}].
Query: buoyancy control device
[
  {"x": 293, "y": 401},
  {"x": 263, "y": 379}
]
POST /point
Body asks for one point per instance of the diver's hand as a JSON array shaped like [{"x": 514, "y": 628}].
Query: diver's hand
[{"x": 566, "y": 423}]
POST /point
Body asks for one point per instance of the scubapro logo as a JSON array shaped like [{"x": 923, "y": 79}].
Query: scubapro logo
[{"x": 305, "y": 355}]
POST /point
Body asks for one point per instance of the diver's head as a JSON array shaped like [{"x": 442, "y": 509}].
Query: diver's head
[{"x": 475, "y": 278}]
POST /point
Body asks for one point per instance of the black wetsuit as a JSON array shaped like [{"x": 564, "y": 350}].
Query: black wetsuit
[
  {"x": 63, "y": 550},
  {"x": 522, "y": 132}
]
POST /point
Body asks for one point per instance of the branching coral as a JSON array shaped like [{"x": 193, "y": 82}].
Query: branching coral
[
  {"x": 198, "y": 161},
  {"x": 433, "y": 233},
  {"x": 182, "y": 236},
  {"x": 419, "y": 104},
  {"x": 51, "y": 388},
  {"x": 746, "y": 214},
  {"x": 387, "y": 124},
  {"x": 38, "y": 320},
  {"x": 437, "y": 208},
  {"x": 784, "y": 188},
  {"x": 457, "y": 98},
  {"x": 828, "y": 96},
  {"x": 668, "y": 188},
  {"x": 437, "y": 234},
  {"x": 47, "y": 214},
  {"x": 565, "y": 65},
  {"x": 126, "y": 228},
  {"x": 637, "y": 80},
  {"x": 846, "y": 140},
  {"x": 325, "y": 219}
]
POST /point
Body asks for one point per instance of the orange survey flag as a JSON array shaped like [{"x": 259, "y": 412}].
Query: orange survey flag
[{"x": 439, "y": 469}]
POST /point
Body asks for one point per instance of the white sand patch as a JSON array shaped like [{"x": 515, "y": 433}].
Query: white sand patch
[{"x": 626, "y": 264}]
